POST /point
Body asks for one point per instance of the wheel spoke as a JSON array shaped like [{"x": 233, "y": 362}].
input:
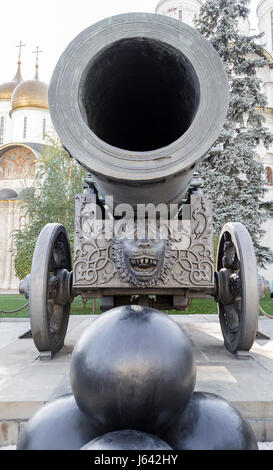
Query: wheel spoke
[
  {"x": 232, "y": 318},
  {"x": 56, "y": 317}
]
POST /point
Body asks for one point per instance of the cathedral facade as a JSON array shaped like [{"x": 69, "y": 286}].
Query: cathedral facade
[{"x": 25, "y": 122}]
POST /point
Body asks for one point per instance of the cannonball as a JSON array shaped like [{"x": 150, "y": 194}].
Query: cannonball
[
  {"x": 133, "y": 368},
  {"x": 209, "y": 422},
  {"x": 126, "y": 440},
  {"x": 58, "y": 425}
]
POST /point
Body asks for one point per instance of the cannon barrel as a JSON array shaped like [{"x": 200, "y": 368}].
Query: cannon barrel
[{"x": 138, "y": 99}]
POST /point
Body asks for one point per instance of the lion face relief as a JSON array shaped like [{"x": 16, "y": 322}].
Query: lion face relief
[
  {"x": 144, "y": 258},
  {"x": 143, "y": 262}
]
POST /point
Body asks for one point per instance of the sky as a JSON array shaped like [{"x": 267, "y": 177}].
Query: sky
[{"x": 51, "y": 25}]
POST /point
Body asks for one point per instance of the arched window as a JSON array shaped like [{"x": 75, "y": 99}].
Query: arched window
[
  {"x": 172, "y": 12},
  {"x": 2, "y": 129},
  {"x": 25, "y": 128},
  {"x": 44, "y": 129},
  {"x": 269, "y": 175}
]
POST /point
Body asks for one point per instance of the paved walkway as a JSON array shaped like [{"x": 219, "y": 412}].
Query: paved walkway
[{"x": 26, "y": 382}]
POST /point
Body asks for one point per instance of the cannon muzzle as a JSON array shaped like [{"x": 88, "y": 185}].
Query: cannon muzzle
[{"x": 138, "y": 99}]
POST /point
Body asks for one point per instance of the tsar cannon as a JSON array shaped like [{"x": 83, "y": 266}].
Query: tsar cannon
[{"x": 138, "y": 100}]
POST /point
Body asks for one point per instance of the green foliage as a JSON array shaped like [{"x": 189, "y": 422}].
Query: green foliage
[
  {"x": 51, "y": 199},
  {"x": 234, "y": 178}
]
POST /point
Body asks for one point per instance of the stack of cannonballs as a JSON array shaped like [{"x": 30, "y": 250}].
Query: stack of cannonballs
[{"x": 133, "y": 376}]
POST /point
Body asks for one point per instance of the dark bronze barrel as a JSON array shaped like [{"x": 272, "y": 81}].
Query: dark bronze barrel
[{"x": 138, "y": 99}]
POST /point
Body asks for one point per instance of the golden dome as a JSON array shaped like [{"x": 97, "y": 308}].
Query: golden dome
[
  {"x": 30, "y": 94},
  {"x": 6, "y": 89}
]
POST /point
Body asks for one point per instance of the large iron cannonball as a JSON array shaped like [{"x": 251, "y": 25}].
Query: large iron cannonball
[
  {"x": 210, "y": 423},
  {"x": 133, "y": 368},
  {"x": 127, "y": 440},
  {"x": 58, "y": 425}
]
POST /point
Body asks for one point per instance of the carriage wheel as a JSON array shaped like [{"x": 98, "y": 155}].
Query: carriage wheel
[
  {"x": 50, "y": 288},
  {"x": 238, "y": 289}
]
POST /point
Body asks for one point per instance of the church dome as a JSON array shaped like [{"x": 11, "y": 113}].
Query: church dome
[
  {"x": 6, "y": 89},
  {"x": 30, "y": 94}
]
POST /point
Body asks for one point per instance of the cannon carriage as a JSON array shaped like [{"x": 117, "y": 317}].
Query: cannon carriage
[{"x": 138, "y": 100}]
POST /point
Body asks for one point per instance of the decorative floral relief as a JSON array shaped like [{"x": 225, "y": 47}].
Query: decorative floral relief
[
  {"x": 93, "y": 264},
  {"x": 184, "y": 258}
]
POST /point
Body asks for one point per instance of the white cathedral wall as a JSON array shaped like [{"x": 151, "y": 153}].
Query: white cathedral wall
[
  {"x": 268, "y": 238},
  {"x": 268, "y": 91},
  {"x": 190, "y": 9},
  {"x": 28, "y": 125},
  {"x": 244, "y": 26},
  {"x": 264, "y": 10},
  {"x": 9, "y": 221},
  {"x": 5, "y": 107},
  {"x": 20, "y": 176},
  {"x": 16, "y": 184},
  {"x": 265, "y": 156}
]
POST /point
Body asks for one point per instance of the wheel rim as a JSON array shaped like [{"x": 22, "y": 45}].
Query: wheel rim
[
  {"x": 238, "y": 293},
  {"x": 48, "y": 314}
]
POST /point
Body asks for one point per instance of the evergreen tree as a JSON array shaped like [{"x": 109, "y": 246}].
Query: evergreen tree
[
  {"x": 51, "y": 199},
  {"x": 234, "y": 179}
]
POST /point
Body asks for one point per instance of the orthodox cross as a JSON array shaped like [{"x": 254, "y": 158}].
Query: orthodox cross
[
  {"x": 20, "y": 45},
  {"x": 37, "y": 52}
]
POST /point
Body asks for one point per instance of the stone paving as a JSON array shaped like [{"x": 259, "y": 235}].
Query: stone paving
[{"x": 26, "y": 382}]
